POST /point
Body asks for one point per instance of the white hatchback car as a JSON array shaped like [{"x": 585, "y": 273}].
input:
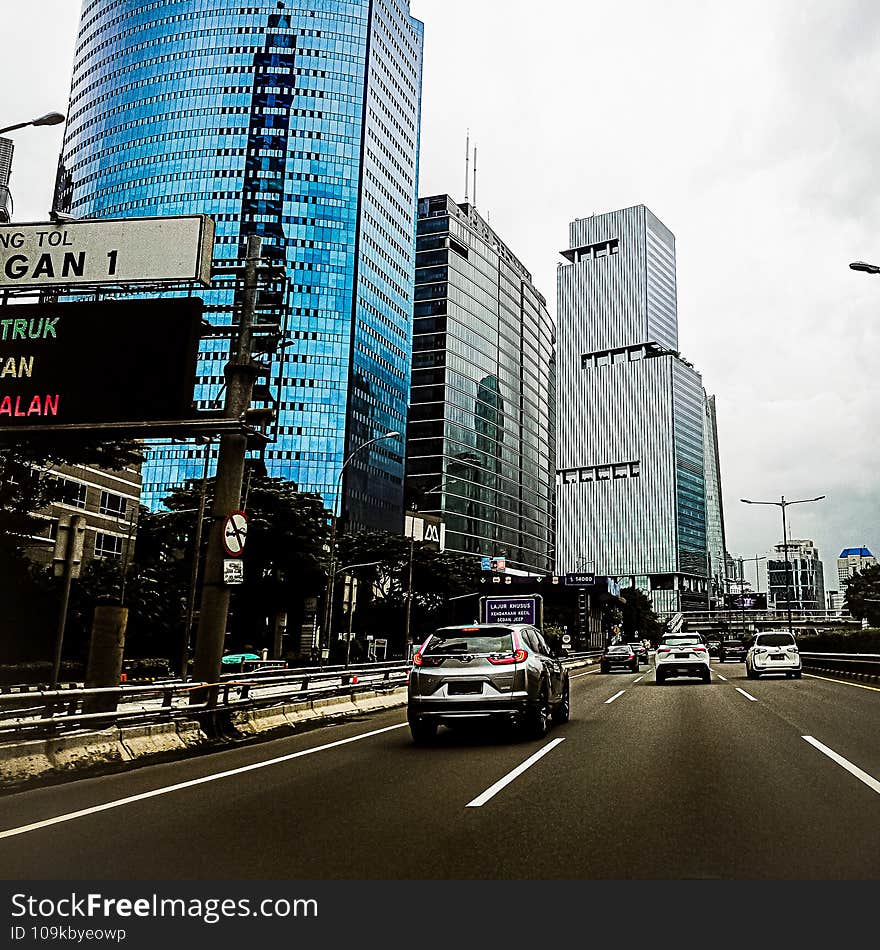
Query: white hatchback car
[
  {"x": 681, "y": 654},
  {"x": 773, "y": 651}
]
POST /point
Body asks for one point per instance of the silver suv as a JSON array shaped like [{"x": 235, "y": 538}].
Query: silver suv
[{"x": 487, "y": 671}]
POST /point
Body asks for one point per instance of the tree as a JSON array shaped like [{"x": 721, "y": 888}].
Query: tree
[
  {"x": 284, "y": 559},
  {"x": 637, "y": 616},
  {"x": 862, "y": 598}
]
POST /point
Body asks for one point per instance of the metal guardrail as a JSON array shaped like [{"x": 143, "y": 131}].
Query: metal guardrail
[
  {"x": 50, "y": 712},
  {"x": 853, "y": 664},
  {"x": 799, "y": 618}
]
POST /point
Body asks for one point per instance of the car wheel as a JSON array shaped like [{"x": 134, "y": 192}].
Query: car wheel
[
  {"x": 603, "y": 669},
  {"x": 660, "y": 677},
  {"x": 797, "y": 674},
  {"x": 538, "y": 717},
  {"x": 423, "y": 731},
  {"x": 707, "y": 677},
  {"x": 562, "y": 712},
  {"x": 635, "y": 667}
]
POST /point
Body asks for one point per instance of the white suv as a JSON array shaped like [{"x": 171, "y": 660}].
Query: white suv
[
  {"x": 682, "y": 654},
  {"x": 773, "y": 651}
]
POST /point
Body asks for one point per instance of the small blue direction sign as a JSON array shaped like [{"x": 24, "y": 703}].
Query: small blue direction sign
[
  {"x": 486, "y": 563},
  {"x": 580, "y": 580}
]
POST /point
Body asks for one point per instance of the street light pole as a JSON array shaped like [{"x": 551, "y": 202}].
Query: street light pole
[
  {"x": 324, "y": 636},
  {"x": 51, "y": 118},
  {"x": 409, "y": 585},
  {"x": 783, "y": 504}
]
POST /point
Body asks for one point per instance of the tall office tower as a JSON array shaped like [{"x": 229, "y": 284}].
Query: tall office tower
[
  {"x": 481, "y": 439},
  {"x": 7, "y": 146},
  {"x": 852, "y": 560},
  {"x": 716, "y": 543},
  {"x": 799, "y": 578},
  {"x": 298, "y": 122},
  {"x": 631, "y": 484}
]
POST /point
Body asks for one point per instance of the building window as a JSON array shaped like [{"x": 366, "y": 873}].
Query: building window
[
  {"x": 112, "y": 504},
  {"x": 74, "y": 493},
  {"x": 108, "y": 545}
]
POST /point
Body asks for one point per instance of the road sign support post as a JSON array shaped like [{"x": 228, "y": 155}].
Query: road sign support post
[
  {"x": 72, "y": 555},
  {"x": 240, "y": 373}
]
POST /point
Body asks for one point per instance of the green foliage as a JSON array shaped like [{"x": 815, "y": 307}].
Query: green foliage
[
  {"x": 637, "y": 616},
  {"x": 862, "y": 598}
]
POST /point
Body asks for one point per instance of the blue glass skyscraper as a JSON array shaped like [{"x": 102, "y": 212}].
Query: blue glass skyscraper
[{"x": 299, "y": 122}]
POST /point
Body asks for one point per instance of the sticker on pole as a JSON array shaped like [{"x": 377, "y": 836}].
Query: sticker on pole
[{"x": 235, "y": 533}]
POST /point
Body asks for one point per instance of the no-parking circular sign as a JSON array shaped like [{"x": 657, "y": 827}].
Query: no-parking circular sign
[{"x": 235, "y": 533}]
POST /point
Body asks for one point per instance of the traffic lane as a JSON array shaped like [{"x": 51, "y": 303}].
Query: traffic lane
[
  {"x": 683, "y": 781},
  {"x": 43, "y": 802},
  {"x": 344, "y": 811},
  {"x": 844, "y": 715}
]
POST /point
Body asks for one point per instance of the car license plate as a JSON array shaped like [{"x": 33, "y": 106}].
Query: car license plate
[
  {"x": 777, "y": 656},
  {"x": 464, "y": 689},
  {"x": 681, "y": 656}
]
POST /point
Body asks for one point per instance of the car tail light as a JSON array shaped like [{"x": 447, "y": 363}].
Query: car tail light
[
  {"x": 699, "y": 649},
  {"x": 663, "y": 649},
  {"x": 518, "y": 657},
  {"x": 760, "y": 650},
  {"x": 420, "y": 660}
]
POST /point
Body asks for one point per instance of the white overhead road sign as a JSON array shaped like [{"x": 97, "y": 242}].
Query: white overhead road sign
[{"x": 107, "y": 251}]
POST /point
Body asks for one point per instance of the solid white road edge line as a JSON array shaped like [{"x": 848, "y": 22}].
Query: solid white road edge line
[
  {"x": 576, "y": 675},
  {"x": 869, "y": 780},
  {"x": 721, "y": 677},
  {"x": 619, "y": 693},
  {"x": 12, "y": 832},
  {"x": 747, "y": 695},
  {"x": 493, "y": 790}
]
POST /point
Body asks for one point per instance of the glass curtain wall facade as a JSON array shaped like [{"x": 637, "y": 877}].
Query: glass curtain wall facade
[
  {"x": 631, "y": 482},
  {"x": 298, "y": 122},
  {"x": 714, "y": 503},
  {"x": 482, "y": 413}
]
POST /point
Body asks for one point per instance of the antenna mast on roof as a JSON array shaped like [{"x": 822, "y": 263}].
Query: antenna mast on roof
[
  {"x": 467, "y": 164},
  {"x": 475, "y": 176}
]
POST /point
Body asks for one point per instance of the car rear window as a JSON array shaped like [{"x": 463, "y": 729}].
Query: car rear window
[
  {"x": 680, "y": 641},
  {"x": 775, "y": 639},
  {"x": 486, "y": 640}
]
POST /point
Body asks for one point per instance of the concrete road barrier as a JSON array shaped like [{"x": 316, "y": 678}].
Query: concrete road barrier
[
  {"x": 150, "y": 740},
  {"x": 24, "y": 761},
  {"x": 68, "y": 753}
]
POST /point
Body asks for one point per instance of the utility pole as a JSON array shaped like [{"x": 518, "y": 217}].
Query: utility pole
[
  {"x": 240, "y": 374},
  {"x": 194, "y": 567}
]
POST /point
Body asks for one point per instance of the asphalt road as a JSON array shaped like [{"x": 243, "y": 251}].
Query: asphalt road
[{"x": 676, "y": 782}]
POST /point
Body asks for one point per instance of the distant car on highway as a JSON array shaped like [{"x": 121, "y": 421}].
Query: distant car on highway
[
  {"x": 732, "y": 649},
  {"x": 682, "y": 654},
  {"x": 773, "y": 651},
  {"x": 641, "y": 651},
  {"x": 505, "y": 672},
  {"x": 619, "y": 656},
  {"x": 713, "y": 644}
]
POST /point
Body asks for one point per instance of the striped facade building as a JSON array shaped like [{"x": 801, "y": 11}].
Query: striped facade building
[{"x": 632, "y": 417}]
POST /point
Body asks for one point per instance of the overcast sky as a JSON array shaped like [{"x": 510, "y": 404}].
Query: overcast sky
[{"x": 750, "y": 129}]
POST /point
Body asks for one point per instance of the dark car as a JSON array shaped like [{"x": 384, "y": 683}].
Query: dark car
[
  {"x": 619, "y": 656},
  {"x": 714, "y": 646},
  {"x": 732, "y": 649},
  {"x": 505, "y": 672},
  {"x": 640, "y": 650}
]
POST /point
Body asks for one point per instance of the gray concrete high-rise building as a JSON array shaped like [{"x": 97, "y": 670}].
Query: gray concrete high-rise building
[
  {"x": 636, "y": 431},
  {"x": 481, "y": 432},
  {"x": 798, "y": 579}
]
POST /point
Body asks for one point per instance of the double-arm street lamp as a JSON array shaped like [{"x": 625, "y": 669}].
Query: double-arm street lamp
[
  {"x": 865, "y": 268},
  {"x": 337, "y": 513},
  {"x": 783, "y": 504}
]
